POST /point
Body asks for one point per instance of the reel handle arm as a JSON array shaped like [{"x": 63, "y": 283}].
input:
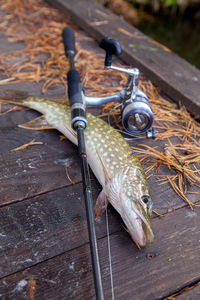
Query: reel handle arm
[{"x": 103, "y": 100}]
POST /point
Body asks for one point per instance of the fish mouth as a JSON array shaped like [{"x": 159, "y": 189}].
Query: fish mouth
[{"x": 139, "y": 228}]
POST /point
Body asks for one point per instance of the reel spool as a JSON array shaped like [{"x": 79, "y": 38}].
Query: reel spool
[{"x": 137, "y": 116}]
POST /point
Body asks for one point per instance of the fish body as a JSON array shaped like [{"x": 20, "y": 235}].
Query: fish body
[{"x": 113, "y": 163}]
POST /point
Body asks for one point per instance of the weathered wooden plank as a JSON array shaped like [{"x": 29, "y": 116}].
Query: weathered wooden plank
[
  {"x": 45, "y": 171},
  {"x": 45, "y": 226},
  {"x": 193, "y": 294},
  {"x": 157, "y": 270},
  {"x": 26, "y": 224},
  {"x": 14, "y": 136},
  {"x": 32, "y": 88},
  {"x": 35, "y": 170},
  {"x": 7, "y": 47},
  {"x": 173, "y": 75}
]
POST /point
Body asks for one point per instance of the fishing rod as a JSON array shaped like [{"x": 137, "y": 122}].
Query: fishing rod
[
  {"x": 79, "y": 124},
  {"x": 137, "y": 119}
]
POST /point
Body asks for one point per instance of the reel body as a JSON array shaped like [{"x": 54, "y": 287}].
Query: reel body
[{"x": 136, "y": 112}]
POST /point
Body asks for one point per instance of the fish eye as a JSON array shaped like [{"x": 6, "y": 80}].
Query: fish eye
[
  {"x": 145, "y": 200},
  {"x": 149, "y": 205}
]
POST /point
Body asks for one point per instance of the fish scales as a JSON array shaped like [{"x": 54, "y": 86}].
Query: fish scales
[{"x": 113, "y": 163}]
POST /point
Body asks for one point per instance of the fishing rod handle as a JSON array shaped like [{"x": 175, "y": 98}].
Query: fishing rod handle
[
  {"x": 73, "y": 77},
  {"x": 68, "y": 40},
  {"x": 78, "y": 113},
  {"x": 74, "y": 87}
]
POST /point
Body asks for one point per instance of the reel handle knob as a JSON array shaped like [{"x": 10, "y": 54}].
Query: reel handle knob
[{"x": 111, "y": 47}]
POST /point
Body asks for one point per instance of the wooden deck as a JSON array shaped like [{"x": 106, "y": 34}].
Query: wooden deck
[
  {"x": 43, "y": 229},
  {"x": 175, "y": 76}
]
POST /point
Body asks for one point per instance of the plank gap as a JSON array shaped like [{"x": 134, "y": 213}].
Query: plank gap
[
  {"x": 184, "y": 289},
  {"x": 38, "y": 194}
]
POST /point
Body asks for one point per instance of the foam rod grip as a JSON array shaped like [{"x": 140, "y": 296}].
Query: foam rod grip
[
  {"x": 74, "y": 87},
  {"x": 68, "y": 40}
]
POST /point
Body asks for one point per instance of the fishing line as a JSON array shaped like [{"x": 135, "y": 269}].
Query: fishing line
[
  {"x": 132, "y": 138},
  {"x": 109, "y": 256},
  {"x": 115, "y": 107}
]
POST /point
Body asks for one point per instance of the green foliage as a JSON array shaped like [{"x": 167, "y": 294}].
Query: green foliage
[
  {"x": 170, "y": 2},
  {"x": 181, "y": 35},
  {"x": 166, "y": 3}
]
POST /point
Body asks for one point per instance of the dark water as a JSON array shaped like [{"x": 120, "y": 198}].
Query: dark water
[{"x": 181, "y": 35}]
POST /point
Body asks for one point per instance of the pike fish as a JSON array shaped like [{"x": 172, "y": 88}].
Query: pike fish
[{"x": 110, "y": 157}]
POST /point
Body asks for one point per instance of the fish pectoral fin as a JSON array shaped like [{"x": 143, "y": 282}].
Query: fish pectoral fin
[
  {"x": 39, "y": 123},
  {"x": 100, "y": 205}
]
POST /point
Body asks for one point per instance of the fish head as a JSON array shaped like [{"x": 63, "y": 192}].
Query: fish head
[{"x": 134, "y": 204}]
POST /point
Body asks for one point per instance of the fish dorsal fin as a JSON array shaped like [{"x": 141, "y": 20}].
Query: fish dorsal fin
[
  {"x": 39, "y": 123},
  {"x": 107, "y": 178}
]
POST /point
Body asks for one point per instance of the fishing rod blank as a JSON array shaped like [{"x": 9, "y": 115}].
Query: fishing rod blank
[{"x": 79, "y": 123}]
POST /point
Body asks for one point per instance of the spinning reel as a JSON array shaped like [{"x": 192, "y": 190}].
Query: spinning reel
[{"x": 137, "y": 116}]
